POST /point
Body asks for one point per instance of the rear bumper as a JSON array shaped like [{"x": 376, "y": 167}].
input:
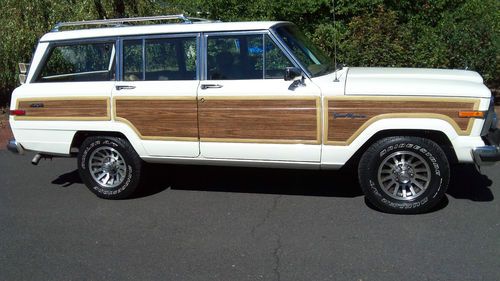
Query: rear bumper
[
  {"x": 490, "y": 154},
  {"x": 15, "y": 147}
]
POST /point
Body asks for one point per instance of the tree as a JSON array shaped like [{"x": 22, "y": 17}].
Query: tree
[{"x": 420, "y": 33}]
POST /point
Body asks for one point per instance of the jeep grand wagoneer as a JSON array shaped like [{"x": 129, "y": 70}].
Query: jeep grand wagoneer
[{"x": 249, "y": 94}]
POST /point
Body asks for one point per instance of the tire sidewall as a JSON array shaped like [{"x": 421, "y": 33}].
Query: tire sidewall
[
  {"x": 431, "y": 196},
  {"x": 131, "y": 177}
]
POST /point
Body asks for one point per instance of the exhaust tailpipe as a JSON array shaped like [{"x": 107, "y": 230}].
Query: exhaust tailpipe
[{"x": 36, "y": 159}]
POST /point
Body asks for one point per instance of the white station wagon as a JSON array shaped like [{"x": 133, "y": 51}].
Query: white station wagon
[{"x": 245, "y": 94}]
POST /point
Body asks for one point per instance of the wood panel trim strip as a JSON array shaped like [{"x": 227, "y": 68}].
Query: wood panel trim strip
[
  {"x": 106, "y": 117},
  {"x": 319, "y": 130},
  {"x": 258, "y": 141},
  {"x": 453, "y": 123},
  {"x": 152, "y": 98}
]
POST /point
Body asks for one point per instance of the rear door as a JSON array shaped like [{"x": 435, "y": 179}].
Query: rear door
[
  {"x": 156, "y": 94},
  {"x": 247, "y": 110}
]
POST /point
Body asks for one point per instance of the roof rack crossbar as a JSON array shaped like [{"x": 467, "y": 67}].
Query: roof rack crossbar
[{"x": 124, "y": 21}]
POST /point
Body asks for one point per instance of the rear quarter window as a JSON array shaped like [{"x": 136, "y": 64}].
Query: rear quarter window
[{"x": 79, "y": 63}]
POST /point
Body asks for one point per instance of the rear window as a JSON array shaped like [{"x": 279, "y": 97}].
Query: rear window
[{"x": 79, "y": 63}]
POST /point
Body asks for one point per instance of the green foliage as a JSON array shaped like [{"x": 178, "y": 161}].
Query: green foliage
[
  {"x": 419, "y": 33},
  {"x": 375, "y": 40}
]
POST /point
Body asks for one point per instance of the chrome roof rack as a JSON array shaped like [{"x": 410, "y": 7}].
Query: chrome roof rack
[{"x": 125, "y": 21}]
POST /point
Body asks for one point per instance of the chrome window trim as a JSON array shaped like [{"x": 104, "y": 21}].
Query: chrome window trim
[
  {"x": 264, "y": 52},
  {"x": 202, "y": 65},
  {"x": 119, "y": 56},
  {"x": 201, "y": 37}
]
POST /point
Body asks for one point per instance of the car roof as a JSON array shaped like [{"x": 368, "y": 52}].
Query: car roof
[{"x": 158, "y": 29}]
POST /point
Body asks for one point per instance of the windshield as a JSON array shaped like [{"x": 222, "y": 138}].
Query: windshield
[{"x": 312, "y": 58}]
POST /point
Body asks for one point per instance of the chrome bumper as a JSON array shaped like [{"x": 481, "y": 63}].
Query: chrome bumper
[
  {"x": 488, "y": 155},
  {"x": 15, "y": 147}
]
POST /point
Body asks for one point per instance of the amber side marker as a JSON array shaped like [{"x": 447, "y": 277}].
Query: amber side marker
[{"x": 471, "y": 114}]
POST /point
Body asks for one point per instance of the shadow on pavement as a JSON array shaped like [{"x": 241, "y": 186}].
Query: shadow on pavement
[
  {"x": 466, "y": 182},
  {"x": 68, "y": 179},
  {"x": 252, "y": 180}
]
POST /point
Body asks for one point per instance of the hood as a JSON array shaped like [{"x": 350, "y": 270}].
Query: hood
[{"x": 415, "y": 82}]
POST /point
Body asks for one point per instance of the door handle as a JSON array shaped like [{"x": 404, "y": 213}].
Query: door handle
[
  {"x": 124, "y": 87},
  {"x": 210, "y": 86}
]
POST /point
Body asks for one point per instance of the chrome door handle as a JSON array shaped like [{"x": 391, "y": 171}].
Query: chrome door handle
[
  {"x": 210, "y": 86},
  {"x": 124, "y": 87}
]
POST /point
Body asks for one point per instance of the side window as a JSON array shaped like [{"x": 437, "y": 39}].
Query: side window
[
  {"x": 132, "y": 60},
  {"x": 79, "y": 63},
  {"x": 234, "y": 57},
  {"x": 276, "y": 61},
  {"x": 161, "y": 59}
]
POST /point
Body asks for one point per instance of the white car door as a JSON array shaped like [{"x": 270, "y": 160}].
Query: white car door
[
  {"x": 246, "y": 108},
  {"x": 156, "y": 95}
]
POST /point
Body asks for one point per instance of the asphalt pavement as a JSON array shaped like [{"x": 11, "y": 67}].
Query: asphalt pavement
[{"x": 216, "y": 223}]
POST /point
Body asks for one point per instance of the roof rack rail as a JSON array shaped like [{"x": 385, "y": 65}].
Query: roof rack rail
[{"x": 124, "y": 21}]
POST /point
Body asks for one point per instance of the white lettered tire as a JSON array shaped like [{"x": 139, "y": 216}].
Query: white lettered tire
[
  {"x": 109, "y": 167},
  {"x": 404, "y": 175}
]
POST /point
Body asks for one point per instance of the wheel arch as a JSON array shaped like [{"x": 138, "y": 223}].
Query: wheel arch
[
  {"x": 438, "y": 137},
  {"x": 80, "y": 136}
]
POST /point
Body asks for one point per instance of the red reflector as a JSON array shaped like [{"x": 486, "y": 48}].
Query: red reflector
[{"x": 17, "y": 112}]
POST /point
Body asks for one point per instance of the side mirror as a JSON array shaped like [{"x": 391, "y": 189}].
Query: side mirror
[{"x": 292, "y": 73}]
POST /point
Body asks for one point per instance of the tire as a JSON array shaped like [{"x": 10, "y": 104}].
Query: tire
[
  {"x": 109, "y": 167},
  {"x": 404, "y": 175}
]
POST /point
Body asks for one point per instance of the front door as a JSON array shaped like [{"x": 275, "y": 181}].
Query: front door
[
  {"x": 248, "y": 111},
  {"x": 156, "y": 96}
]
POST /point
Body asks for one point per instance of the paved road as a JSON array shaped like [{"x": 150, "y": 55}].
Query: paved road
[{"x": 210, "y": 223}]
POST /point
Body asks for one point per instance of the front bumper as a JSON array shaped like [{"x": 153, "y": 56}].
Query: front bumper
[
  {"x": 490, "y": 154},
  {"x": 15, "y": 147}
]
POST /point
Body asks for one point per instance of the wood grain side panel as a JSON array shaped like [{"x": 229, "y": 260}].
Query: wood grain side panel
[
  {"x": 342, "y": 130},
  {"x": 264, "y": 120},
  {"x": 64, "y": 109},
  {"x": 160, "y": 118}
]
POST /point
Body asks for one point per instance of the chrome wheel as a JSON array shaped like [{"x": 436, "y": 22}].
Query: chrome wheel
[
  {"x": 107, "y": 167},
  {"x": 404, "y": 175}
]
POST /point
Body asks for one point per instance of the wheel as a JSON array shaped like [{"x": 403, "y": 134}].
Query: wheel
[
  {"x": 109, "y": 167},
  {"x": 404, "y": 175}
]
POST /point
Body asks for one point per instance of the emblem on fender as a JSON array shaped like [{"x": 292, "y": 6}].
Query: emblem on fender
[{"x": 348, "y": 116}]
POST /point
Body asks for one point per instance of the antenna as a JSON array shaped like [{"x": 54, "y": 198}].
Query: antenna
[{"x": 334, "y": 43}]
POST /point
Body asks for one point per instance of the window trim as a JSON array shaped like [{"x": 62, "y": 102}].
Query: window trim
[
  {"x": 52, "y": 45},
  {"x": 196, "y": 35}
]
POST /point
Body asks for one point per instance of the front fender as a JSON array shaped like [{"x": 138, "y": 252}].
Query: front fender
[{"x": 336, "y": 155}]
